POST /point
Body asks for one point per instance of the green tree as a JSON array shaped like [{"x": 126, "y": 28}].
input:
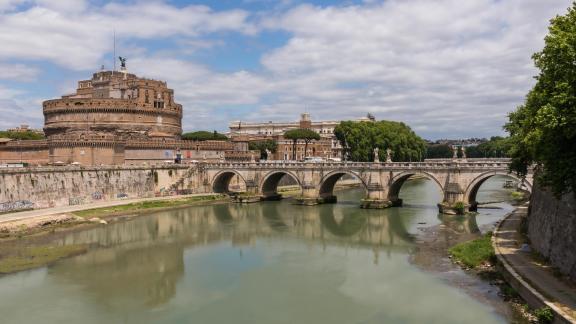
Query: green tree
[
  {"x": 262, "y": 146},
  {"x": 307, "y": 135},
  {"x": 204, "y": 136},
  {"x": 438, "y": 151},
  {"x": 294, "y": 136},
  {"x": 360, "y": 139},
  {"x": 496, "y": 147},
  {"x": 543, "y": 130},
  {"x": 27, "y": 135}
]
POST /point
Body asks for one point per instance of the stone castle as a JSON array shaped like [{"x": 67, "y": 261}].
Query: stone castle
[{"x": 116, "y": 118}]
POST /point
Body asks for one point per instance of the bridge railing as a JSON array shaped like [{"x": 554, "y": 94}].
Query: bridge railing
[
  {"x": 427, "y": 164},
  {"x": 471, "y": 160}
]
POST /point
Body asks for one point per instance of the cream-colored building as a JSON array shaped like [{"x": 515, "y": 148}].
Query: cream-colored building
[{"x": 327, "y": 147}]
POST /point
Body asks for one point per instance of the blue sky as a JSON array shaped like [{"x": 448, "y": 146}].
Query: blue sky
[{"x": 447, "y": 68}]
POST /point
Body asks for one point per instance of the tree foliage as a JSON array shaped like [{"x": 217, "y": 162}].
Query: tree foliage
[
  {"x": 543, "y": 130},
  {"x": 28, "y": 135},
  {"x": 438, "y": 151},
  {"x": 496, "y": 147},
  {"x": 262, "y": 146},
  {"x": 204, "y": 136},
  {"x": 307, "y": 135},
  {"x": 360, "y": 139}
]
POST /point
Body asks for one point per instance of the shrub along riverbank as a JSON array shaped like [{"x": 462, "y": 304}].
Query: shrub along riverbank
[
  {"x": 479, "y": 256},
  {"x": 474, "y": 253}
]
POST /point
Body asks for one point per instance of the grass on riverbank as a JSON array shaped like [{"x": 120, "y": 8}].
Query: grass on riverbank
[
  {"x": 474, "y": 253},
  {"x": 18, "y": 259},
  {"x": 145, "y": 205}
]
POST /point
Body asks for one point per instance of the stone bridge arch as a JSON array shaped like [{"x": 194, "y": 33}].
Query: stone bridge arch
[
  {"x": 473, "y": 187},
  {"x": 399, "y": 179},
  {"x": 328, "y": 182},
  {"x": 269, "y": 184},
  {"x": 221, "y": 181}
]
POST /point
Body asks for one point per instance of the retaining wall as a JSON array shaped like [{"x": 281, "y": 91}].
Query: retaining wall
[
  {"x": 552, "y": 229},
  {"x": 33, "y": 188}
]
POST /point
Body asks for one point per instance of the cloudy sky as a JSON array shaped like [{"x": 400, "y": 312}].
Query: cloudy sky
[{"x": 448, "y": 68}]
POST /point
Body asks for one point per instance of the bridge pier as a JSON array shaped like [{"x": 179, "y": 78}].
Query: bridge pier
[
  {"x": 250, "y": 196},
  {"x": 454, "y": 202},
  {"x": 377, "y": 197},
  {"x": 309, "y": 196}
]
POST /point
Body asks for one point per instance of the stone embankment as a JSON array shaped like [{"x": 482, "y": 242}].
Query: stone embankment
[
  {"x": 552, "y": 229},
  {"x": 36, "y": 188},
  {"x": 536, "y": 282}
]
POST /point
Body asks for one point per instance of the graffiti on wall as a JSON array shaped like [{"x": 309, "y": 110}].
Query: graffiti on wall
[
  {"x": 16, "y": 205},
  {"x": 97, "y": 195},
  {"x": 72, "y": 201},
  {"x": 163, "y": 192}
]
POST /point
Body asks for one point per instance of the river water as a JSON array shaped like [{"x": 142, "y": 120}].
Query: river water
[{"x": 270, "y": 262}]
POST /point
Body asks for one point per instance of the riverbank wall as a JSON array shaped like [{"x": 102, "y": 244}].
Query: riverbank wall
[
  {"x": 551, "y": 228},
  {"x": 35, "y": 188}
]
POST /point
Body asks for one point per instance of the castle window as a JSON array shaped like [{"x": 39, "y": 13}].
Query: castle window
[{"x": 146, "y": 98}]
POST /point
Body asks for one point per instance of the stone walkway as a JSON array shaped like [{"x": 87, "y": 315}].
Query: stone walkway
[
  {"x": 537, "y": 279},
  {"x": 18, "y": 216}
]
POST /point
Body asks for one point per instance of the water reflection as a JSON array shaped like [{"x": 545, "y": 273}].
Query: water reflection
[
  {"x": 342, "y": 225},
  {"x": 135, "y": 277},
  {"x": 149, "y": 250},
  {"x": 249, "y": 264},
  {"x": 460, "y": 223},
  {"x": 144, "y": 256}
]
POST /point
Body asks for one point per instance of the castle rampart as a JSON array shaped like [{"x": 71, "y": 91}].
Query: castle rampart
[{"x": 114, "y": 118}]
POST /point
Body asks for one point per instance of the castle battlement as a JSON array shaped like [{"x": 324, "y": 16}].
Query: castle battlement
[
  {"x": 114, "y": 118},
  {"x": 115, "y": 103}
]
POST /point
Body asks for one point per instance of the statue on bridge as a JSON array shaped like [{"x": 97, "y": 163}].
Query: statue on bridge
[
  {"x": 455, "y": 152},
  {"x": 376, "y": 156},
  {"x": 268, "y": 154},
  {"x": 388, "y": 155}
]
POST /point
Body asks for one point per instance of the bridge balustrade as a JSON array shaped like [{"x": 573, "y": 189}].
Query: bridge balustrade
[
  {"x": 364, "y": 165},
  {"x": 459, "y": 179}
]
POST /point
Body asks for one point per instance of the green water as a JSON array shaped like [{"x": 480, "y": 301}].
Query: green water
[{"x": 269, "y": 262}]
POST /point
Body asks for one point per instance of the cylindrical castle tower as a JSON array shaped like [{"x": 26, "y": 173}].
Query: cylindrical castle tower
[{"x": 115, "y": 104}]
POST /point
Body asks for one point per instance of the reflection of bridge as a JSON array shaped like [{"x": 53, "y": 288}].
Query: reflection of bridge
[
  {"x": 459, "y": 179},
  {"x": 150, "y": 250}
]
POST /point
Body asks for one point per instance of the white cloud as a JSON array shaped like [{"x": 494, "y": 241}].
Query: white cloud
[
  {"x": 8, "y": 94},
  {"x": 448, "y": 68},
  {"x": 63, "y": 5},
  {"x": 15, "y": 111},
  {"x": 76, "y": 36},
  {"x": 201, "y": 90},
  {"x": 7, "y": 5},
  {"x": 17, "y": 72},
  {"x": 441, "y": 66}
]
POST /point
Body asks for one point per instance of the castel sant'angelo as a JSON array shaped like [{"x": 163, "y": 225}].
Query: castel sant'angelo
[{"x": 116, "y": 118}]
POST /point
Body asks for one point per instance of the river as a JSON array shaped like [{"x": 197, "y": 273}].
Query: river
[{"x": 270, "y": 262}]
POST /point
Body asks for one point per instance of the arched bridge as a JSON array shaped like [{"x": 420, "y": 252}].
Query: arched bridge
[{"x": 458, "y": 179}]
